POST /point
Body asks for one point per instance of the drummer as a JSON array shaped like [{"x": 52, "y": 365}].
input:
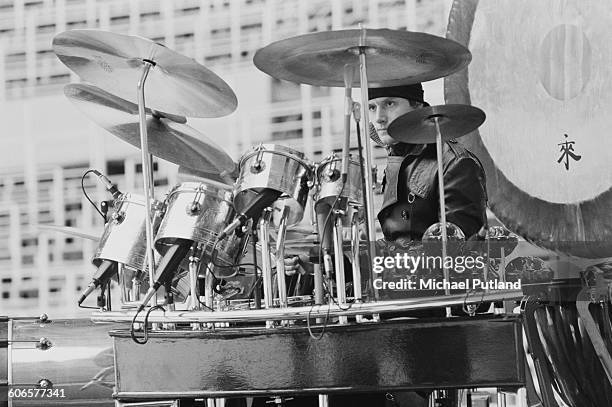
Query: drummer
[
  {"x": 410, "y": 198},
  {"x": 411, "y": 201},
  {"x": 410, "y": 191}
]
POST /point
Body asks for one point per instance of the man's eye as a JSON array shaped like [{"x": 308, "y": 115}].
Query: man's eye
[
  {"x": 372, "y": 108},
  {"x": 390, "y": 103}
]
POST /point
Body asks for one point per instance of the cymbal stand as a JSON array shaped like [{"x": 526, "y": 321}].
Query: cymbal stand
[
  {"x": 147, "y": 173},
  {"x": 136, "y": 284},
  {"x": 319, "y": 297},
  {"x": 266, "y": 266},
  {"x": 194, "y": 265},
  {"x": 209, "y": 285},
  {"x": 256, "y": 291},
  {"x": 508, "y": 305},
  {"x": 367, "y": 173},
  {"x": 348, "y": 110},
  {"x": 442, "y": 207},
  {"x": 355, "y": 259},
  {"x": 337, "y": 215},
  {"x": 126, "y": 294},
  {"x": 280, "y": 258},
  {"x": 209, "y": 295}
]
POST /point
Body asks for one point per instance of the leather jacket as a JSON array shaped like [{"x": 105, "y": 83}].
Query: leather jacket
[{"x": 410, "y": 188}]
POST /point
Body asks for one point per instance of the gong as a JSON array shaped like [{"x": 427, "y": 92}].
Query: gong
[{"x": 540, "y": 70}]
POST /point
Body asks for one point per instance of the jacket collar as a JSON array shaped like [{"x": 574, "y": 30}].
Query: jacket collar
[{"x": 405, "y": 149}]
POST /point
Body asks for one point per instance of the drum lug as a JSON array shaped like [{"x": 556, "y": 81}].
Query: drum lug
[
  {"x": 41, "y": 344},
  {"x": 41, "y": 319},
  {"x": 44, "y": 344},
  {"x": 157, "y": 206},
  {"x": 258, "y": 166},
  {"x": 45, "y": 383},
  {"x": 193, "y": 208},
  {"x": 118, "y": 217}
]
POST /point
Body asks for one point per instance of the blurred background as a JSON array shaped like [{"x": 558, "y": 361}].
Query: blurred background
[{"x": 47, "y": 144}]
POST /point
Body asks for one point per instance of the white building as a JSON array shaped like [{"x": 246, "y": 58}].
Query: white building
[{"x": 48, "y": 144}]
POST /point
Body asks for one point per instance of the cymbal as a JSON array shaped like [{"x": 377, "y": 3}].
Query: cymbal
[
  {"x": 186, "y": 174},
  {"x": 168, "y": 135},
  {"x": 175, "y": 84},
  {"x": 418, "y": 126},
  {"x": 393, "y": 57},
  {"x": 71, "y": 231}
]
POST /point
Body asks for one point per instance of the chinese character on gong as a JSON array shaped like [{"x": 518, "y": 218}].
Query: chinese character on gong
[{"x": 567, "y": 152}]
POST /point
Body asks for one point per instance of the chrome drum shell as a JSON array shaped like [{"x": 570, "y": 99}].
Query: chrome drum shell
[
  {"x": 329, "y": 181},
  {"x": 278, "y": 168},
  {"x": 77, "y": 359},
  {"x": 124, "y": 237},
  {"x": 199, "y": 211}
]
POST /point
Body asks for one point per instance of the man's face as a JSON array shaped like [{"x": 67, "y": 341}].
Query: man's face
[{"x": 383, "y": 111}]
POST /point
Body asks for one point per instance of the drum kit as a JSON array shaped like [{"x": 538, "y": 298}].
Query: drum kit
[
  {"x": 199, "y": 234},
  {"x": 143, "y": 93}
]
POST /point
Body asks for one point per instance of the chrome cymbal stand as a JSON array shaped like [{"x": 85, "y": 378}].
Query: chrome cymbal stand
[{"x": 147, "y": 173}]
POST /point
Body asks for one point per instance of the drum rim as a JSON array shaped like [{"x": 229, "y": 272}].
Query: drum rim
[
  {"x": 218, "y": 188},
  {"x": 331, "y": 159},
  {"x": 130, "y": 197},
  {"x": 285, "y": 151}
]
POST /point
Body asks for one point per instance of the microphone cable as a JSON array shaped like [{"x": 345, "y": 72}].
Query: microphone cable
[
  {"x": 145, "y": 329},
  {"x": 90, "y": 171}
]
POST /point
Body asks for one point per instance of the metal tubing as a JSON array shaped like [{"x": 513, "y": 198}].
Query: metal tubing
[
  {"x": 323, "y": 400},
  {"x": 256, "y": 293},
  {"x": 147, "y": 174},
  {"x": 135, "y": 297},
  {"x": 318, "y": 285},
  {"x": 442, "y": 209},
  {"x": 302, "y": 313},
  {"x": 339, "y": 266},
  {"x": 592, "y": 329},
  {"x": 208, "y": 287},
  {"x": 508, "y": 305},
  {"x": 194, "y": 262},
  {"x": 356, "y": 261},
  {"x": 365, "y": 142},
  {"x": 355, "y": 256},
  {"x": 125, "y": 293},
  {"x": 280, "y": 258},
  {"x": 266, "y": 266}
]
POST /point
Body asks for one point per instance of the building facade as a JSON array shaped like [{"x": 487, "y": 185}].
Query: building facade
[{"x": 48, "y": 144}]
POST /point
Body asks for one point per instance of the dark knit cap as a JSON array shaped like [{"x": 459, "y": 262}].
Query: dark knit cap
[{"x": 411, "y": 92}]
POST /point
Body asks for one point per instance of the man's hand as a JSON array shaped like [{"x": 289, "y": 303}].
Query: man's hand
[
  {"x": 292, "y": 265},
  {"x": 297, "y": 264}
]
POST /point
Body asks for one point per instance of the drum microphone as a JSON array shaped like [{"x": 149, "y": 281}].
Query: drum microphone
[
  {"x": 103, "y": 274},
  {"x": 252, "y": 211},
  {"x": 168, "y": 264},
  {"x": 110, "y": 187},
  {"x": 326, "y": 227}
]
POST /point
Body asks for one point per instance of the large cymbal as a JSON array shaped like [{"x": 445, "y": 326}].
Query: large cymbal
[
  {"x": 169, "y": 137},
  {"x": 71, "y": 231},
  {"x": 114, "y": 62},
  {"x": 418, "y": 126},
  {"x": 393, "y": 57}
]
